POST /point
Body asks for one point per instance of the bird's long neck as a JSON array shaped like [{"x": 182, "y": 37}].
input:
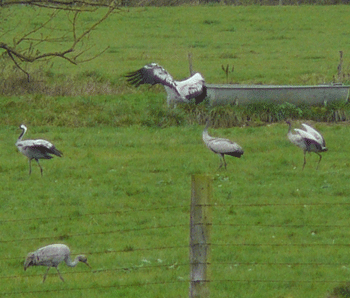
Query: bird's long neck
[
  {"x": 289, "y": 128},
  {"x": 22, "y": 133},
  {"x": 205, "y": 133},
  {"x": 292, "y": 137},
  {"x": 71, "y": 263}
]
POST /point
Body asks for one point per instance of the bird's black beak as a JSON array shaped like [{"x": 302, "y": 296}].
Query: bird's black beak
[{"x": 26, "y": 266}]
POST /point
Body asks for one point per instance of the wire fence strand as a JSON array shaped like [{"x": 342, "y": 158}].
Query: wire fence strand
[
  {"x": 59, "y": 237},
  {"x": 78, "y": 215},
  {"x": 215, "y": 264}
]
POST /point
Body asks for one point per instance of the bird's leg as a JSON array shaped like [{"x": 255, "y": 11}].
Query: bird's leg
[
  {"x": 304, "y": 159},
  {"x": 41, "y": 169},
  {"x": 221, "y": 164},
  {"x": 319, "y": 159},
  {"x": 48, "y": 268},
  {"x": 223, "y": 158},
  {"x": 59, "y": 274},
  {"x": 30, "y": 166}
]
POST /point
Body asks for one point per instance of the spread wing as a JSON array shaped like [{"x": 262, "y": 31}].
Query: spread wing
[{"x": 151, "y": 74}]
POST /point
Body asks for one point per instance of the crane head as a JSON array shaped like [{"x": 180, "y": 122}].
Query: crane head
[
  {"x": 24, "y": 128},
  {"x": 83, "y": 259},
  {"x": 29, "y": 261}
]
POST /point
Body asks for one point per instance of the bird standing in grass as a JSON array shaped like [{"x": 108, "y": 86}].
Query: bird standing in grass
[
  {"x": 51, "y": 256},
  {"x": 221, "y": 146},
  {"x": 308, "y": 139},
  {"x": 177, "y": 91},
  {"x": 35, "y": 149}
]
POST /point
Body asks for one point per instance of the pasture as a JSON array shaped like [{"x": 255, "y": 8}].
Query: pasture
[
  {"x": 121, "y": 192},
  {"x": 265, "y": 45},
  {"x": 121, "y": 196}
]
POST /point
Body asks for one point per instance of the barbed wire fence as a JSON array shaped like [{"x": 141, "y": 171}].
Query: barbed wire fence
[
  {"x": 231, "y": 2},
  {"x": 230, "y": 252}
]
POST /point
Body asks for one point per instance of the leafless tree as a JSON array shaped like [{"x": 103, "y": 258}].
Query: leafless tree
[{"x": 46, "y": 36}]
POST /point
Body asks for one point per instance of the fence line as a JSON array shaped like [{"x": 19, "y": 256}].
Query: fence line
[
  {"x": 174, "y": 207},
  {"x": 173, "y": 226},
  {"x": 279, "y": 281},
  {"x": 277, "y": 263},
  {"x": 132, "y": 268},
  {"x": 90, "y": 214},
  {"x": 117, "y": 251},
  {"x": 280, "y": 226},
  {"x": 167, "y": 283},
  {"x": 280, "y": 204},
  {"x": 92, "y": 233},
  {"x": 220, "y": 265},
  {"x": 283, "y": 244},
  {"x": 2, "y": 221},
  {"x": 137, "y": 284}
]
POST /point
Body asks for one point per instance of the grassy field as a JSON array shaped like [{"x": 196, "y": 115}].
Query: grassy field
[
  {"x": 121, "y": 196},
  {"x": 121, "y": 192},
  {"x": 267, "y": 45}
]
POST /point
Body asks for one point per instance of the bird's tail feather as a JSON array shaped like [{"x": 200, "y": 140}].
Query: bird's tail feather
[
  {"x": 235, "y": 154},
  {"x": 201, "y": 97}
]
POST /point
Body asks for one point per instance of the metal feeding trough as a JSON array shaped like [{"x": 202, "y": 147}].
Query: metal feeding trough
[{"x": 223, "y": 94}]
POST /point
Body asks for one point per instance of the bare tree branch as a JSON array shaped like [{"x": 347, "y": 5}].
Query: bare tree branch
[
  {"x": 62, "y": 4},
  {"x": 15, "y": 62},
  {"x": 25, "y": 48},
  {"x": 38, "y": 28}
]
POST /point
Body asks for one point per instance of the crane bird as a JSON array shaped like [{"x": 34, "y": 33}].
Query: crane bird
[
  {"x": 221, "y": 146},
  {"x": 35, "y": 149},
  {"x": 308, "y": 139},
  {"x": 51, "y": 256},
  {"x": 177, "y": 91}
]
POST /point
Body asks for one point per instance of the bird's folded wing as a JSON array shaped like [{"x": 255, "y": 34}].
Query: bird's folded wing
[{"x": 223, "y": 146}]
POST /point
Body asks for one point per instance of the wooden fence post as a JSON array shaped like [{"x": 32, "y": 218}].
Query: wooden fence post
[{"x": 200, "y": 228}]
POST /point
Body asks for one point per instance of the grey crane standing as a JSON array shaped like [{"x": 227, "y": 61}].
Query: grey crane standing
[
  {"x": 177, "y": 91},
  {"x": 308, "y": 139},
  {"x": 221, "y": 146},
  {"x": 35, "y": 149},
  {"x": 51, "y": 256}
]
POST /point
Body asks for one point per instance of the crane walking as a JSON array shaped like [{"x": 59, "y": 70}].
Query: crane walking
[
  {"x": 35, "y": 149},
  {"x": 221, "y": 146},
  {"x": 51, "y": 256},
  {"x": 177, "y": 91},
  {"x": 308, "y": 139}
]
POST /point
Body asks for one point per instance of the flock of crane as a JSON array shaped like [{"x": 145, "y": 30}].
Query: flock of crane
[{"x": 307, "y": 138}]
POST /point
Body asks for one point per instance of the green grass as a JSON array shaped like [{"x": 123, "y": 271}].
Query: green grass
[
  {"x": 121, "y": 193},
  {"x": 266, "y": 45},
  {"x": 150, "y": 110}
]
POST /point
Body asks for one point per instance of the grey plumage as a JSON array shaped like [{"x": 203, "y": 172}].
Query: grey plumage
[
  {"x": 51, "y": 256},
  {"x": 221, "y": 146},
  {"x": 308, "y": 139},
  {"x": 177, "y": 91},
  {"x": 36, "y": 149}
]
